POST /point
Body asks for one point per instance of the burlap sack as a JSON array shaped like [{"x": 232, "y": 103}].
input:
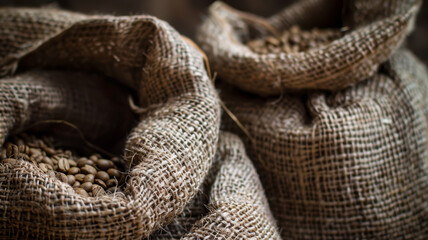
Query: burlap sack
[
  {"x": 341, "y": 63},
  {"x": 231, "y": 203},
  {"x": 169, "y": 152},
  {"x": 344, "y": 165}
]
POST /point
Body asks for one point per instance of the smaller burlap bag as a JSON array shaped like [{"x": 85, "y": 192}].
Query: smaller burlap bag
[
  {"x": 344, "y": 165},
  {"x": 231, "y": 203},
  {"x": 343, "y": 62},
  {"x": 168, "y": 153}
]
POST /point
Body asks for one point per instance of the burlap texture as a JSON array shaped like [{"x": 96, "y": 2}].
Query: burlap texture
[
  {"x": 169, "y": 152},
  {"x": 341, "y": 63},
  {"x": 85, "y": 100},
  {"x": 345, "y": 165},
  {"x": 231, "y": 203}
]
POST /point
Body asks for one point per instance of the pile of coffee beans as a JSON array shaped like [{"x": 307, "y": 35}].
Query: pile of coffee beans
[
  {"x": 92, "y": 176},
  {"x": 294, "y": 40}
]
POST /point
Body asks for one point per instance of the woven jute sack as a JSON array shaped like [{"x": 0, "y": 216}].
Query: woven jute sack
[
  {"x": 231, "y": 203},
  {"x": 168, "y": 153},
  {"x": 345, "y": 165},
  {"x": 373, "y": 32}
]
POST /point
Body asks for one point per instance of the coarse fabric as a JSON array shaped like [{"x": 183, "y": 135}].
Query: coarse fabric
[
  {"x": 338, "y": 133},
  {"x": 84, "y": 100},
  {"x": 231, "y": 204},
  {"x": 345, "y": 165},
  {"x": 371, "y": 33},
  {"x": 168, "y": 153}
]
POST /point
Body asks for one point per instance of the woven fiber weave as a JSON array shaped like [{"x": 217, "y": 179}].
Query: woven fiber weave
[
  {"x": 231, "y": 203},
  {"x": 345, "y": 165},
  {"x": 343, "y": 62},
  {"x": 168, "y": 153}
]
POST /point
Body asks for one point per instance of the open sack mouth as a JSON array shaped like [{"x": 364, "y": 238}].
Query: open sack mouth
[
  {"x": 290, "y": 58},
  {"x": 167, "y": 151}
]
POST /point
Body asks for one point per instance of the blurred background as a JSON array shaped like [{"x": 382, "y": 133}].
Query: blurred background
[{"x": 186, "y": 15}]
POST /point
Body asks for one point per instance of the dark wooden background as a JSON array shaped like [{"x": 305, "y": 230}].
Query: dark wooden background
[{"x": 186, "y": 15}]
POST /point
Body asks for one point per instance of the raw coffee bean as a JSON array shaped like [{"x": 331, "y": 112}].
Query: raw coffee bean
[
  {"x": 97, "y": 190},
  {"x": 89, "y": 178},
  {"x": 103, "y": 175},
  {"x": 11, "y": 161},
  {"x": 47, "y": 160},
  {"x": 42, "y": 167},
  {"x": 23, "y": 149},
  {"x": 12, "y": 151},
  {"x": 62, "y": 177},
  {"x": 71, "y": 179},
  {"x": 81, "y": 192},
  {"x": 101, "y": 183},
  {"x": 72, "y": 163},
  {"x": 35, "y": 152},
  {"x": 112, "y": 172},
  {"x": 81, "y": 162},
  {"x": 88, "y": 170},
  {"x": 37, "y": 158},
  {"x": 87, "y": 186},
  {"x": 79, "y": 177},
  {"x": 63, "y": 165},
  {"x": 48, "y": 150},
  {"x": 68, "y": 153},
  {"x": 104, "y": 164},
  {"x": 76, "y": 184},
  {"x": 111, "y": 182},
  {"x": 74, "y": 170},
  {"x": 95, "y": 157},
  {"x": 49, "y": 167}
]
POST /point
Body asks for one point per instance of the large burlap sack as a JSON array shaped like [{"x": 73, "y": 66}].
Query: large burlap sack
[
  {"x": 168, "y": 153},
  {"x": 345, "y": 165},
  {"x": 231, "y": 203},
  {"x": 348, "y": 60}
]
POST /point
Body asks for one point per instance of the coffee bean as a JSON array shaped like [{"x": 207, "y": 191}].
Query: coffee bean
[
  {"x": 74, "y": 170},
  {"x": 101, "y": 183},
  {"x": 97, "y": 190},
  {"x": 12, "y": 151},
  {"x": 111, "y": 182},
  {"x": 72, "y": 163},
  {"x": 71, "y": 179},
  {"x": 112, "y": 172},
  {"x": 63, "y": 165},
  {"x": 79, "y": 177},
  {"x": 103, "y": 175},
  {"x": 95, "y": 157},
  {"x": 87, "y": 186},
  {"x": 35, "y": 152},
  {"x": 76, "y": 184},
  {"x": 81, "y": 162},
  {"x": 48, "y": 161},
  {"x": 88, "y": 170},
  {"x": 89, "y": 178},
  {"x": 81, "y": 191},
  {"x": 43, "y": 167},
  {"x": 104, "y": 164},
  {"x": 62, "y": 177}
]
